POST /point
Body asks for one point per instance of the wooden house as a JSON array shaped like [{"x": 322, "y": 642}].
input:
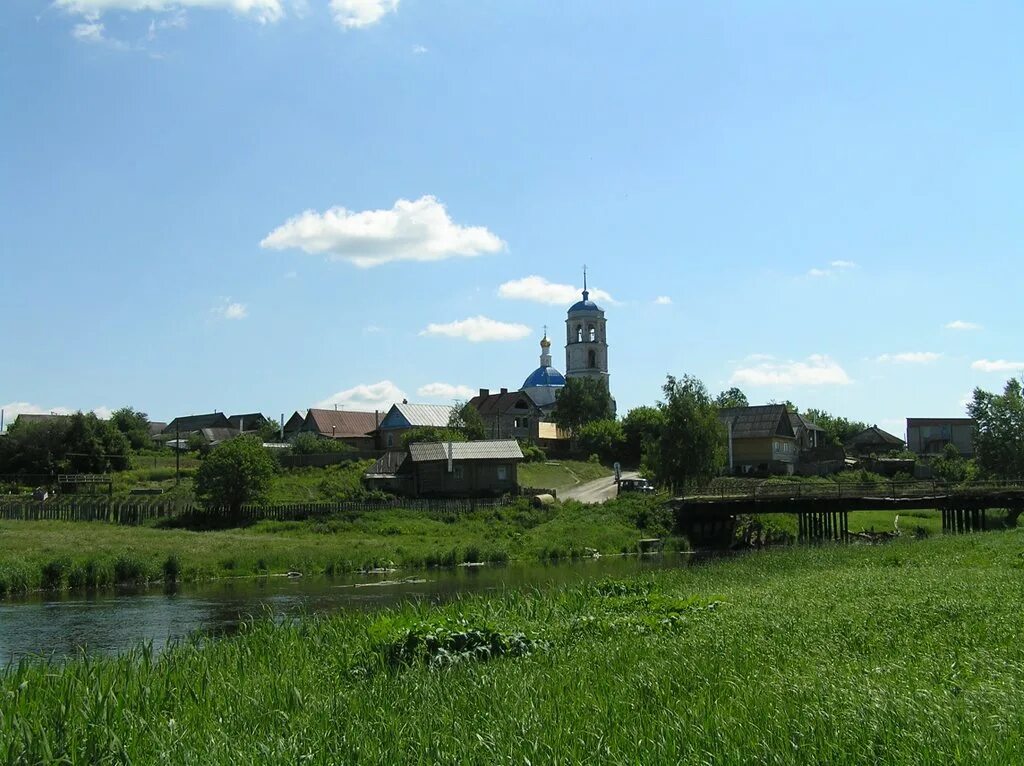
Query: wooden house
[
  {"x": 761, "y": 439},
  {"x": 873, "y": 441},
  {"x": 404, "y": 417},
  {"x": 462, "y": 469}
]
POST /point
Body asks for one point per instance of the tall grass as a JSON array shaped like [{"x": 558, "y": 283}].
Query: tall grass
[{"x": 909, "y": 653}]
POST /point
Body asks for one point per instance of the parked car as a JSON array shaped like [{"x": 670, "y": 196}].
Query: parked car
[{"x": 635, "y": 485}]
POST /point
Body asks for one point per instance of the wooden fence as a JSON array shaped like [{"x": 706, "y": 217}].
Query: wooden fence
[{"x": 141, "y": 511}]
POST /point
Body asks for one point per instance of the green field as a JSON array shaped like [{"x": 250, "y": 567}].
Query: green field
[
  {"x": 907, "y": 653},
  {"x": 35, "y": 554}
]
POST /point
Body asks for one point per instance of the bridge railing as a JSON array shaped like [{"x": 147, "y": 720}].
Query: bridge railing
[{"x": 883, "y": 490}]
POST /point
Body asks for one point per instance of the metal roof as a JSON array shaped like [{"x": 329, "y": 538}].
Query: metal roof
[
  {"x": 545, "y": 376},
  {"x": 419, "y": 415},
  {"x": 498, "y": 449},
  {"x": 341, "y": 423}
]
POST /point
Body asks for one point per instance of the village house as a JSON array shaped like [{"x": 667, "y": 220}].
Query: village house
[
  {"x": 349, "y": 426},
  {"x": 248, "y": 422},
  {"x": 809, "y": 436},
  {"x": 508, "y": 414},
  {"x": 761, "y": 439},
  {"x": 190, "y": 424},
  {"x": 873, "y": 441},
  {"x": 462, "y": 469},
  {"x": 404, "y": 417},
  {"x": 929, "y": 436}
]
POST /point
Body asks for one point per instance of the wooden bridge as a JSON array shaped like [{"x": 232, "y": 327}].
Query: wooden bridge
[{"x": 823, "y": 512}]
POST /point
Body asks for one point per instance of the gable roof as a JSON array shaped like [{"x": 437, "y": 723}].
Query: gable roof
[
  {"x": 875, "y": 435},
  {"x": 498, "y": 449},
  {"x": 250, "y": 420},
  {"x": 796, "y": 420},
  {"x": 189, "y": 423},
  {"x": 295, "y": 422},
  {"x": 406, "y": 415},
  {"x": 215, "y": 436},
  {"x": 500, "y": 403},
  {"x": 757, "y": 422},
  {"x": 341, "y": 424}
]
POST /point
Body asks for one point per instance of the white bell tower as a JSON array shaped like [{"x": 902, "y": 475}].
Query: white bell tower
[{"x": 586, "y": 342}]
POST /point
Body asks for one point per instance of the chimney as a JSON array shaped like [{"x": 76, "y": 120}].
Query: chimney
[
  {"x": 450, "y": 469},
  {"x": 504, "y": 390},
  {"x": 376, "y": 419},
  {"x": 485, "y": 392}
]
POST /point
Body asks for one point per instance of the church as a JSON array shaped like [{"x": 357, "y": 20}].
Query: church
[{"x": 526, "y": 413}]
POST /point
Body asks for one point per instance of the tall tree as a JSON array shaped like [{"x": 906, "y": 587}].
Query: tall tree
[
  {"x": 838, "y": 430},
  {"x": 732, "y": 397},
  {"x": 235, "y": 472},
  {"x": 690, "y": 449},
  {"x": 79, "y": 443},
  {"x": 641, "y": 426},
  {"x": 467, "y": 419},
  {"x": 999, "y": 440},
  {"x": 603, "y": 438},
  {"x": 134, "y": 424},
  {"x": 581, "y": 401}
]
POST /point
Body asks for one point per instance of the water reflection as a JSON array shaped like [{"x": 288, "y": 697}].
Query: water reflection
[{"x": 61, "y": 625}]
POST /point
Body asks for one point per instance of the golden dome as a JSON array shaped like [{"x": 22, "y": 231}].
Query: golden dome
[{"x": 544, "y": 342}]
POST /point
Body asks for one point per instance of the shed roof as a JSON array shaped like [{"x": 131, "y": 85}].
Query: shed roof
[
  {"x": 758, "y": 422},
  {"x": 341, "y": 423},
  {"x": 217, "y": 435},
  {"x": 498, "y": 449}
]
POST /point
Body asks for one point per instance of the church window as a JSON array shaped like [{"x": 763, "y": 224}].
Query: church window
[
  {"x": 579, "y": 333},
  {"x": 592, "y": 333},
  {"x": 592, "y": 358}
]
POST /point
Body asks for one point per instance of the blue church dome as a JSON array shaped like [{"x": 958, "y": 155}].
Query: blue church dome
[
  {"x": 584, "y": 305},
  {"x": 544, "y": 376}
]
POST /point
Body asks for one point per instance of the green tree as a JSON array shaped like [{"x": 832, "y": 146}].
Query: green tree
[
  {"x": 603, "y": 438},
  {"x": 467, "y": 419},
  {"x": 691, "y": 446},
  {"x": 581, "y": 401},
  {"x": 431, "y": 434},
  {"x": 641, "y": 426},
  {"x": 732, "y": 397},
  {"x": 309, "y": 443},
  {"x": 838, "y": 430},
  {"x": 999, "y": 439},
  {"x": 79, "y": 443},
  {"x": 134, "y": 424},
  {"x": 270, "y": 431},
  {"x": 236, "y": 472},
  {"x": 951, "y": 466}
]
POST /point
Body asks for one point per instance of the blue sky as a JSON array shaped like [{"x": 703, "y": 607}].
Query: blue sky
[{"x": 273, "y": 204}]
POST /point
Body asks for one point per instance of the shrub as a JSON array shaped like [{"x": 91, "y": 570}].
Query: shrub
[
  {"x": 532, "y": 453},
  {"x": 129, "y": 570},
  {"x": 171, "y": 568},
  {"x": 53, "y": 574},
  {"x": 91, "y": 573}
]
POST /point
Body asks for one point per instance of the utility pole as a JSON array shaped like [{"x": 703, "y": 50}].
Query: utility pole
[{"x": 177, "y": 455}]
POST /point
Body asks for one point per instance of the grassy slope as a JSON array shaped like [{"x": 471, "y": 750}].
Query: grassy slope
[
  {"x": 560, "y": 475},
  {"x": 908, "y": 653},
  {"x": 407, "y": 538}
]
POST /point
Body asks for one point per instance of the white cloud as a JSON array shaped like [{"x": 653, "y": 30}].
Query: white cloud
[
  {"x": 478, "y": 329},
  {"x": 419, "y": 230},
  {"x": 663, "y": 300},
  {"x": 445, "y": 391},
  {"x": 540, "y": 290},
  {"x": 834, "y": 268},
  {"x": 959, "y": 324},
  {"x": 910, "y": 357},
  {"x": 264, "y": 11},
  {"x": 997, "y": 365},
  {"x": 355, "y": 14},
  {"x": 419, "y": 50},
  {"x": 13, "y": 409},
  {"x": 178, "y": 19},
  {"x": 365, "y": 397},
  {"x": 231, "y": 310},
  {"x": 817, "y": 370}
]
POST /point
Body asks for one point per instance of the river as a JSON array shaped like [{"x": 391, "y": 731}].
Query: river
[{"x": 59, "y": 625}]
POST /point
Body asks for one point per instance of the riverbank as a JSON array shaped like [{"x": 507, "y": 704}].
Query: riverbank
[
  {"x": 906, "y": 653},
  {"x": 55, "y": 555}
]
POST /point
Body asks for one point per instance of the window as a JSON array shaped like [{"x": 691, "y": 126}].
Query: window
[
  {"x": 592, "y": 333},
  {"x": 521, "y": 422},
  {"x": 391, "y": 441},
  {"x": 502, "y": 473},
  {"x": 579, "y": 333},
  {"x": 591, "y": 358},
  {"x": 457, "y": 472}
]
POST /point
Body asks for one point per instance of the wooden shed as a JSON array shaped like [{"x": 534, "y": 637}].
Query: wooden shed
[{"x": 463, "y": 469}]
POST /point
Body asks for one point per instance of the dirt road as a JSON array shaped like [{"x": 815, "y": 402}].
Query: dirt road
[{"x": 596, "y": 491}]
